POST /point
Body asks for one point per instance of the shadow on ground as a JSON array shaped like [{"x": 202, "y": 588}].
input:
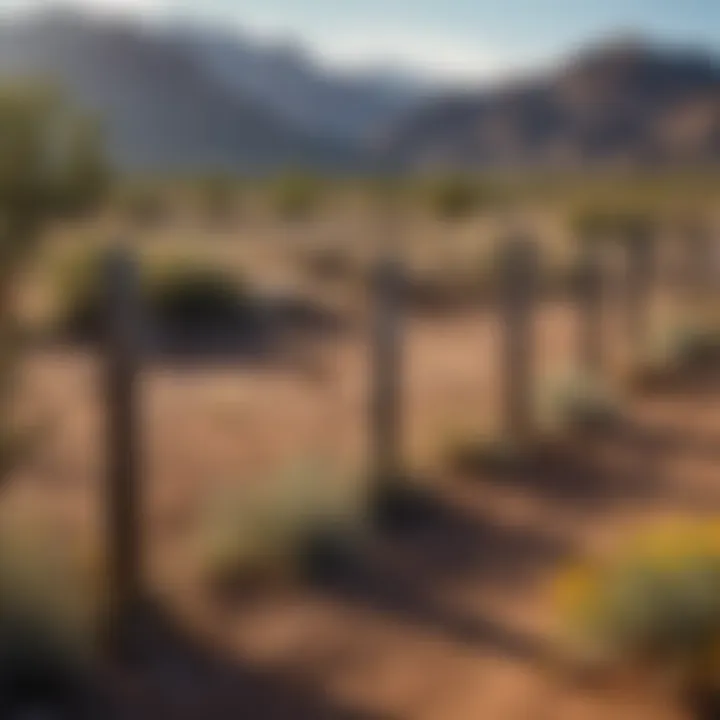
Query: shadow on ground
[
  {"x": 164, "y": 672},
  {"x": 586, "y": 474},
  {"x": 402, "y": 575}
]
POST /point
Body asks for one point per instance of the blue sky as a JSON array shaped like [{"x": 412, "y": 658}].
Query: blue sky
[{"x": 455, "y": 39}]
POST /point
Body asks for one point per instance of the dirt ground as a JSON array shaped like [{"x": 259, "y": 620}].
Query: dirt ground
[{"x": 447, "y": 622}]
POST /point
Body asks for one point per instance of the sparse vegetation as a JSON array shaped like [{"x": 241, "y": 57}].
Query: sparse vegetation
[
  {"x": 290, "y": 526},
  {"x": 651, "y": 606}
]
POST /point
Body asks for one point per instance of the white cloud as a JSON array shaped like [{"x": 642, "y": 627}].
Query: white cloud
[{"x": 441, "y": 56}]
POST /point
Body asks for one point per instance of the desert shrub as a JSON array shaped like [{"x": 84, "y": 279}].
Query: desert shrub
[
  {"x": 578, "y": 403},
  {"x": 176, "y": 293},
  {"x": 294, "y": 524},
  {"x": 653, "y": 604},
  {"x": 296, "y": 196},
  {"x": 454, "y": 198}
]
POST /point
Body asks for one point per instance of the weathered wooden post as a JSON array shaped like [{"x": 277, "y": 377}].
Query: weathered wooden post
[
  {"x": 700, "y": 267},
  {"x": 385, "y": 418},
  {"x": 638, "y": 237},
  {"x": 589, "y": 295},
  {"x": 518, "y": 275},
  {"x": 123, "y": 515}
]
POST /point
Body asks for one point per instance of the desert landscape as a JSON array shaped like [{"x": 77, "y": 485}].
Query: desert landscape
[{"x": 346, "y": 396}]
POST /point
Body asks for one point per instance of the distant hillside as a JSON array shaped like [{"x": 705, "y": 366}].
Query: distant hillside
[
  {"x": 175, "y": 96},
  {"x": 286, "y": 78},
  {"x": 624, "y": 103},
  {"x": 162, "y": 108}
]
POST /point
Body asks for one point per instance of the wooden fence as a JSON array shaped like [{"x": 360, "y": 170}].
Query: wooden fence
[{"x": 518, "y": 273}]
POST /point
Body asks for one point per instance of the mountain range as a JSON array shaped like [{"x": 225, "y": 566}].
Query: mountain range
[
  {"x": 174, "y": 98},
  {"x": 179, "y": 96},
  {"x": 620, "y": 103}
]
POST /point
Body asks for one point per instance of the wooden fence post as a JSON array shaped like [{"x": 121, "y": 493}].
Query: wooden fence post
[
  {"x": 386, "y": 373},
  {"x": 639, "y": 277},
  {"x": 590, "y": 293},
  {"x": 700, "y": 268},
  {"x": 123, "y": 514},
  {"x": 518, "y": 268}
]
